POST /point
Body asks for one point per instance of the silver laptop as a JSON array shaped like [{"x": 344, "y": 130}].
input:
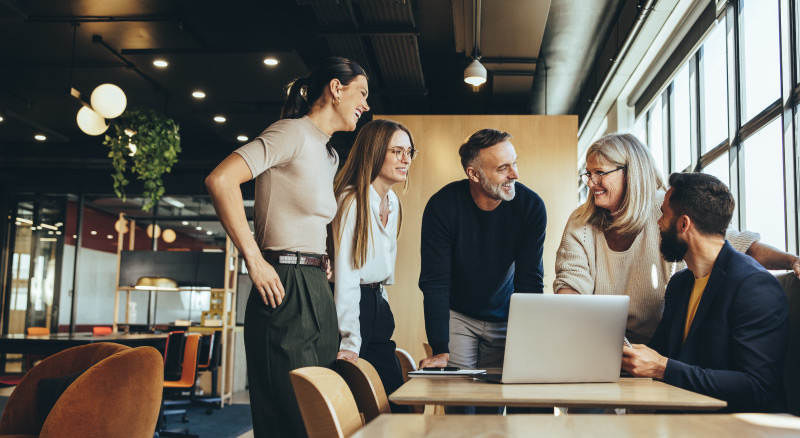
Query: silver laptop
[{"x": 563, "y": 338}]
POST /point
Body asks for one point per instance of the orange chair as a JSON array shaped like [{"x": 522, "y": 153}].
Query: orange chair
[
  {"x": 38, "y": 331},
  {"x": 101, "y": 331},
  {"x": 118, "y": 394},
  {"x": 186, "y": 382}
]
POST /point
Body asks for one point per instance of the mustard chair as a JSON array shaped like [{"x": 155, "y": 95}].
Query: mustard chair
[
  {"x": 791, "y": 367},
  {"x": 326, "y": 403},
  {"x": 366, "y": 386},
  {"x": 117, "y": 394}
]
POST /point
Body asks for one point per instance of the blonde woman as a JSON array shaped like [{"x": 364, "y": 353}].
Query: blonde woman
[
  {"x": 611, "y": 243},
  {"x": 290, "y": 320},
  {"x": 365, "y": 233}
]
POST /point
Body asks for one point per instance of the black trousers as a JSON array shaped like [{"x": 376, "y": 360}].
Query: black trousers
[
  {"x": 302, "y": 331},
  {"x": 377, "y": 347}
]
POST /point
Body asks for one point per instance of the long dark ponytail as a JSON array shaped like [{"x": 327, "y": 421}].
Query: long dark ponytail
[{"x": 303, "y": 93}]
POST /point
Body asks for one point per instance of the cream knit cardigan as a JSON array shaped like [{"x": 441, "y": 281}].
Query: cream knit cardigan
[{"x": 585, "y": 263}]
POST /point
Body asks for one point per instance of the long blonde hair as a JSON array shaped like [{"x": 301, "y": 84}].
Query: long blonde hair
[
  {"x": 352, "y": 183},
  {"x": 643, "y": 180}
]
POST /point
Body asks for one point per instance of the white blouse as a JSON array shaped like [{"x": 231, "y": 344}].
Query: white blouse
[{"x": 378, "y": 268}]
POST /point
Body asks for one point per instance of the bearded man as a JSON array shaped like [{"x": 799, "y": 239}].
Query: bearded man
[
  {"x": 482, "y": 240},
  {"x": 725, "y": 326}
]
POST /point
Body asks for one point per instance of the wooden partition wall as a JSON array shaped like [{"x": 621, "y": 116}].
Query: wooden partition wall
[{"x": 547, "y": 151}]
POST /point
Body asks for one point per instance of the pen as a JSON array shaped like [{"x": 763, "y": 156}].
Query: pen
[{"x": 626, "y": 341}]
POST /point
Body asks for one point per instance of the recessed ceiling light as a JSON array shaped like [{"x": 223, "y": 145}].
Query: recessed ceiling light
[
  {"x": 198, "y": 228},
  {"x": 209, "y": 232},
  {"x": 242, "y": 138},
  {"x": 93, "y": 233},
  {"x": 110, "y": 236},
  {"x": 270, "y": 61},
  {"x": 40, "y": 137},
  {"x": 160, "y": 63},
  {"x": 185, "y": 223},
  {"x": 219, "y": 119},
  {"x": 1, "y": 118},
  {"x": 199, "y": 95}
]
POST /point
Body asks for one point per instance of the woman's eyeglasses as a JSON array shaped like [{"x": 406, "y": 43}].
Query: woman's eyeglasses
[
  {"x": 399, "y": 152},
  {"x": 596, "y": 178}
]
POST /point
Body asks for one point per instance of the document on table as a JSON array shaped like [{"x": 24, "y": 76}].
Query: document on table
[{"x": 459, "y": 373}]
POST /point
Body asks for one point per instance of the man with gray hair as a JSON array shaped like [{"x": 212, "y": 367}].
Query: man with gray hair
[{"x": 482, "y": 239}]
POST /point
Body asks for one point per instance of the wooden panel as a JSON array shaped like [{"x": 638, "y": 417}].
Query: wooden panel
[
  {"x": 685, "y": 426},
  {"x": 547, "y": 151},
  {"x": 626, "y": 393}
]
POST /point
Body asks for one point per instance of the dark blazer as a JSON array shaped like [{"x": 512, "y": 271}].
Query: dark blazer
[{"x": 737, "y": 342}]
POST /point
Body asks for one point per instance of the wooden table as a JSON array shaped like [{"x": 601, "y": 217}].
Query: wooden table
[
  {"x": 621, "y": 426},
  {"x": 634, "y": 393},
  {"x": 53, "y": 343}
]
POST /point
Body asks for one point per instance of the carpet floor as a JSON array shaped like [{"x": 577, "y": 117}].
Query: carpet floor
[{"x": 229, "y": 422}]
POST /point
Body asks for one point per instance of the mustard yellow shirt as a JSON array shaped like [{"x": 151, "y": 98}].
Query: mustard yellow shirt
[{"x": 694, "y": 301}]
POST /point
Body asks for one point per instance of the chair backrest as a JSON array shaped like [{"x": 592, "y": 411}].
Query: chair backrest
[
  {"x": 209, "y": 350},
  {"x": 326, "y": 403},
  {"x": 366, "y": 386},
  {"x": 101, "y": 331},
  {"x": 189, "y": 365},
  {"x": 791, "y": 377},
  {"x": 173, "y": 355},
  {"x": 406, "y": 363},
  {"x": 38, "y": 331},
  {"x": 19, "y": 414}
]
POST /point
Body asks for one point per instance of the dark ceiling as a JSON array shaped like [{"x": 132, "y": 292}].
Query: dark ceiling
[{"x": 408, "y": 48}]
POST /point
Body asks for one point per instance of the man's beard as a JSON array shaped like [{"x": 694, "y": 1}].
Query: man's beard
[
  {"x": 495, "y": 191},
  {"x": 672, "y": 248}
]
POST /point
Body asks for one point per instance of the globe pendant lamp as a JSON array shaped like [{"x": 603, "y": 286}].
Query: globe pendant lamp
[
  {"x": 90, "y": 122},
  {"x": 108, "y": 100}
]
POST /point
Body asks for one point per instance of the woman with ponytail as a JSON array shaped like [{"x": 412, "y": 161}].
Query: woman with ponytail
[
  {"x": 290, "y": 321},
  {"x": 365, "y": 231}
]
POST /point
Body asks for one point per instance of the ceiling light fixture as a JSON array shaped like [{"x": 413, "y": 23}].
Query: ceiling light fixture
[
  {"x": 185, "y": 223},
  {"x": 271, "y": 62},
  {"x": 242, "y": 138},
  {"x": 1, "y": 118},
  {"x": 40, "y": 137},
  {"x": 219, "y": 119},
  {"x": 90, "y": 122},
  {"x": 475, "y": 73},
  {"x": 198, "y": 95},
  {"x": 160, "y": 63}
]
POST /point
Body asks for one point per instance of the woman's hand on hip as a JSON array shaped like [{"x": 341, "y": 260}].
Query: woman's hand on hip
[{"x": 266, "y": 281}]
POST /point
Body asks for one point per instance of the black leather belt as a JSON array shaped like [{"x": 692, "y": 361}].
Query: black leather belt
[
  {"x": 372, "y": 285},
  {"x": 296, "y": 258}
]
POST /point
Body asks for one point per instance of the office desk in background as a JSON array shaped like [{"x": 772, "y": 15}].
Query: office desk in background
[
  {"x": 54, "y": 343},
  {"x": 633, "y": 393},
  {"x": 641, "y": 425}
]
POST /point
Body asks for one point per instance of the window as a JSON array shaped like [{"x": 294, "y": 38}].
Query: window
[
  {"x": 759, "y": 57},
  {"x": 682, "y": 140},
  {"x": 715, "y": 92},
  {"x": 764, "y": 185},
  {"x": 720, "y": 168},
  {"x": 655, "y": 133}
]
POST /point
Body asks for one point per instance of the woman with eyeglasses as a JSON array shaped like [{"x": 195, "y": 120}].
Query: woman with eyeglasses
[
  {"x": 611, "y": 243},
  {"x": 365, "y": 231},
  {"x": 290, "y": 320}
]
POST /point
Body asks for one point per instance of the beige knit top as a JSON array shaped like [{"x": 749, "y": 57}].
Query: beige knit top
[
  {"x": 294, "y": 186},
  {"x": 585, "y": 263}
]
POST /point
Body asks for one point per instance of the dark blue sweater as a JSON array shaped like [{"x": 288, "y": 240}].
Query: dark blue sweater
[{"x": 473, "y": 260}]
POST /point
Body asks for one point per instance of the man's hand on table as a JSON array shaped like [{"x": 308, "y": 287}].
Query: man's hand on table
[
  {"x": 642, "y": 361},
  {"x": 438, "y": 360}
]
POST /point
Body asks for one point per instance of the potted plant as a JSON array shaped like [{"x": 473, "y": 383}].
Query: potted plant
[{"x": 150, "y": 142}]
